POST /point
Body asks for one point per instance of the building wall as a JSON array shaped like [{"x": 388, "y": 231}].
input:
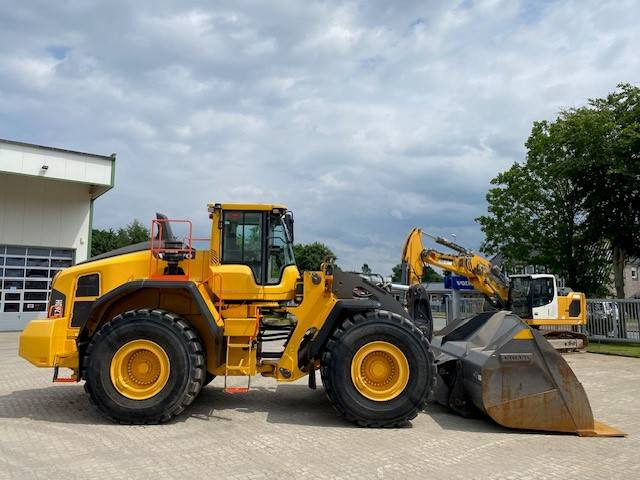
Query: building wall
[
  {"x": 631, "y": 280},
  {"x": 62, "y": 165},
  {"x": 41, "y": 212},
  {"x": 46, "y": 196}
]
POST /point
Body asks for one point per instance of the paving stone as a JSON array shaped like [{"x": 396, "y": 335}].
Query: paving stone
[{"x": 286, "y": 431}]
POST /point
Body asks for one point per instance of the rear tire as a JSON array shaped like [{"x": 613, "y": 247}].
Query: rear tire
[
  {"x": 395, "y": 334},
  {"x": 180, "y": 358}
]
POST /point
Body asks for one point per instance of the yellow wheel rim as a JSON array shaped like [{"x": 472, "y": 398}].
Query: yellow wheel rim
[
  {"x": 380, "y": 371},
  {"x": 140, "y": 369}
]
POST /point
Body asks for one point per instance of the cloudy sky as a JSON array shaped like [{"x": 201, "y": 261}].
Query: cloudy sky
[{"x": 366, "y": 118}]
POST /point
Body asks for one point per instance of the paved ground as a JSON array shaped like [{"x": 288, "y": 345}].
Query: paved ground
[{"x": 287, "y": 431}]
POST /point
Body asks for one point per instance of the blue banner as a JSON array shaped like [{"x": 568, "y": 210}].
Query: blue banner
[{"x": 457, "y": 282}]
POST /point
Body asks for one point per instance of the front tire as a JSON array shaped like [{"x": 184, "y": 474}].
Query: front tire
[
  {"x": 144, "y": 367},
  {"x": 377, "y": 369}
]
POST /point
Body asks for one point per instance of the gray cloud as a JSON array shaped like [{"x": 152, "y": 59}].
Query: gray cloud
[{"x": 365, "y": 118}]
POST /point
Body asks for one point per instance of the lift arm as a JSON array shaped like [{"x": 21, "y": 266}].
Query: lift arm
[{"x": 483, "y": 275}]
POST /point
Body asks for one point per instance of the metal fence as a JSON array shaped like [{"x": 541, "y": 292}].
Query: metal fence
[
  {"x": 473, "y": 306},
  {"x": 613, "y": 320},
  {"x": 466, "y": 307},
  {"x": 608, "y": 320}
]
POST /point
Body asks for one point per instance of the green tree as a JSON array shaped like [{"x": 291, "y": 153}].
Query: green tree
[
  {"x": 396, "y": 273},
  {"x": 309, "y": 256},
  {"x": 535, "y": 217},
  {"x": 606, "y": 171},
  {"x": 575, "y": 198},
  {"x": 365, "y": 268},
  {"x": 135, "y": 232},
  {"x": 103, "y": 241},
  {"x": 429, "y": 275}
]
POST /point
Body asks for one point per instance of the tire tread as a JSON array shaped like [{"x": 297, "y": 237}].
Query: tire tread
[
  {"x": 194, "y": 348},
  {"x": 352, "y": 322}
]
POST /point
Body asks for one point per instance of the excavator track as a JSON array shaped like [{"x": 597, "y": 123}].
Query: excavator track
[{"x": 566, "y": 341}]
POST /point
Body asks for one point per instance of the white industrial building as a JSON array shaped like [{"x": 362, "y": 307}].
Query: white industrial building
[{"x": 46, "y": 209}]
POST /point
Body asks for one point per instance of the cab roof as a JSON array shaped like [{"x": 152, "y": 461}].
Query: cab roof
[{"x": 247, "y": 206}]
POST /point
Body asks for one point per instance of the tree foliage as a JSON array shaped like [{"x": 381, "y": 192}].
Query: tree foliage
[
  {"x": 103, "y": 241},
  {"x": 575, "y": 199},
  {"x": 311, "y": 255},
  {"x": 607, "y": 173},
  {"x": 365, "y": 268},
  {"x": 396, "y": 273},
  {"x": 429, "y": 275}
]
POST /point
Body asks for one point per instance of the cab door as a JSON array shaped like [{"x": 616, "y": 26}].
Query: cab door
[
  {"x": 544, "y": 298},
  {"x": 240, "y": 273}
]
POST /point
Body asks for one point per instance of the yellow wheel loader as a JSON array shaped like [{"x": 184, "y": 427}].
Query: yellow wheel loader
[{"x": 147, "y": 326}]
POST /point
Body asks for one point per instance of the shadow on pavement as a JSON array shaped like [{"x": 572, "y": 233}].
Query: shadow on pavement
[
  {"x": 290, "y": 404},
  {"x": 56, "y": 403},
  {"x": 448, "y": 420},
  {"x": 287, "y": 404}
]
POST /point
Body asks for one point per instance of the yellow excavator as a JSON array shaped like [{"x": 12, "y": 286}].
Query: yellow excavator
[
  {"x": 534, "y": 298},
  {"x": 148, "y": 326}
]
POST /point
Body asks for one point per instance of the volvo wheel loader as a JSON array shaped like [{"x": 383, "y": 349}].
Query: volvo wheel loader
[{"x": 147, "y": 326}]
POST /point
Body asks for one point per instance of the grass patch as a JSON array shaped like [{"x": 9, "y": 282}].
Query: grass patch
[{"x": 622, "y": 349}]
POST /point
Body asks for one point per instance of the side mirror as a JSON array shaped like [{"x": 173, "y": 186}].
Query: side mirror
[{"x": 288, "y": 221}]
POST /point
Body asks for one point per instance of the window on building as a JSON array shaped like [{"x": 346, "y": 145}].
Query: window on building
[
  {"x": 25, "y": 278},
  {"x": 634, "y": 273}
]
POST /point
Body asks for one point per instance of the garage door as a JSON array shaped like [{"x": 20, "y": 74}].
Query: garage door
[{"x": 25, "y": 282}]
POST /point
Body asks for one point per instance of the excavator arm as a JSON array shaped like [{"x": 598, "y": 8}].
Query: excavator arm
[{"x": 483, "y": 275}]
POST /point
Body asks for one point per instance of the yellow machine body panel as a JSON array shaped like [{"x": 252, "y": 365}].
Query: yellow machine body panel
[
  {"x": 572, "y": 310},
  {"x": 237, "y": 282},
  {"x": 260, "y": 207},
  {"x": 59, "y": 332},
  {"x": 49, "y": 342},
  {"x": 310, "y": 315}
]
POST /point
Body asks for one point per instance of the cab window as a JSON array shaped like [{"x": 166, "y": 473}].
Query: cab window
[
  {"x": 280, "y": 251},
  {"x": 543, "y": 291},
  {"x": 242, "y": 240}
]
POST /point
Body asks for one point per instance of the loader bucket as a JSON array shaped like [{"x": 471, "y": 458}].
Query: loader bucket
[{"x": 497, "y": 364}]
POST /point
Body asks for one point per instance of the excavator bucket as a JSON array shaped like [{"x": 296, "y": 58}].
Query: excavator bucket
[{"x": 496, "y": 364}]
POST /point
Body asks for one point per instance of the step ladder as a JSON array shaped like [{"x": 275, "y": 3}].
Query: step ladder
[{"x": 233, "y": 341}]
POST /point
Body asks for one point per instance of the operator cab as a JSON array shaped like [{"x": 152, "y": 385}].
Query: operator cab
[
  {"x": 260, "y": 240},
  {"x": 254, "y": 248},
  {"x": 533, "y": 296}
]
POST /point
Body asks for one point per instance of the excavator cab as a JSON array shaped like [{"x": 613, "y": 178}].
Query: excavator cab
[{"x": 533, "y": 296}]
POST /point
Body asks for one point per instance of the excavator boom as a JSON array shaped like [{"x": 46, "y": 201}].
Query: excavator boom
[{"x": 482, "y": 274}]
